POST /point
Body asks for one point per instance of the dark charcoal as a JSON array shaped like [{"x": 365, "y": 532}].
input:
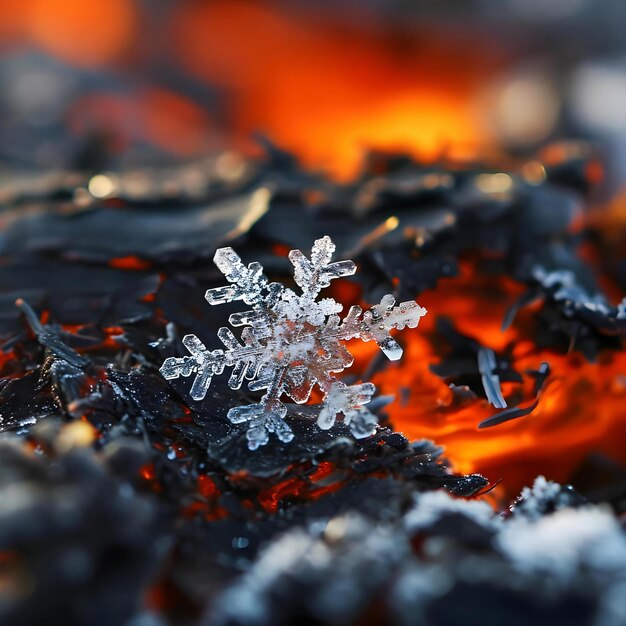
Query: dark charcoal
[
  {"x": 432, "y": 564},
  {"x": 80, "y": 542},
  {"x": 168, "y": 501}
]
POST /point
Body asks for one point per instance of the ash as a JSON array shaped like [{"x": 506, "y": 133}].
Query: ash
[
  {"x": 123, "y": 502},
  {"x": 440, "y": 562}
]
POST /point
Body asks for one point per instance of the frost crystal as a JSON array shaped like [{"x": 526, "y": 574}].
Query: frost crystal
[{"x": 290, "y": 342}]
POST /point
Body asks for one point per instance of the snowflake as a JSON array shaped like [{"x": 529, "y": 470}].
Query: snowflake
[{"x": 290, "y": 342}]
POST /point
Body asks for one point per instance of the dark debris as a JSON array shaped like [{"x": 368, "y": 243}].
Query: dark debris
[{"x": 120, "y": 499}]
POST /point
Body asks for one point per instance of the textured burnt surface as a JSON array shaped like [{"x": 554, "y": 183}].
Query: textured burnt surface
[{"x": 124, "y": 502}]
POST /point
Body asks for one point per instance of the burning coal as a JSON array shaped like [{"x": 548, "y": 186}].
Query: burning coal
[
  {"x": 482, "y": 474},
  {"x": 521, "y": 336}
]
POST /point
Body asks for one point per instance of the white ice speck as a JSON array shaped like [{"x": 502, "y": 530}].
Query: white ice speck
[{"x": 564, "y": 542}]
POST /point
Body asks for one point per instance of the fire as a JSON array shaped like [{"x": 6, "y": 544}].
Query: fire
[
  {"x": 82, "y": 33},
  {"x": 324, "y": 87},
  {"x": 329, "y": 92},
  {"x": 131, "y": 263},
  {"x": 580, "y": 410}
]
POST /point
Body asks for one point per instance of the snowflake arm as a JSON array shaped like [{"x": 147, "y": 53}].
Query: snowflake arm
[
  {"x": 349, "y": 400},
  {"x": 247, "y": 283},
  {"x": 290, "y": 342},
  {"x": 377, "y": 323},
  {"x": 315, "y": 274},
  {"x": 203, "y": 363},
  {"x": 266, "y": 416},
  {"x": 244, "y": 358}
]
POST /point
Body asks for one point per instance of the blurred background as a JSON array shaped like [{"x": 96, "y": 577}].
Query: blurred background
[{"x": 114, "y": 83}]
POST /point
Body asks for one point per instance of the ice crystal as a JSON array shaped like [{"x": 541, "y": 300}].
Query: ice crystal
[{"x": 290, "y": 342}]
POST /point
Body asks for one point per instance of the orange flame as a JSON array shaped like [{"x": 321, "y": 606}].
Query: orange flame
[
  {"x": 329, "y": 92},
  {"x": 325, "y": 88},
  {"x": 580, "y": 411}
]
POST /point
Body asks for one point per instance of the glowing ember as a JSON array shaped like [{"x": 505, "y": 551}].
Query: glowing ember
[
  {"x": 579, "y": 410},
  {"x": 131, "y": 157},
  {"x": 328, "y": 92}
]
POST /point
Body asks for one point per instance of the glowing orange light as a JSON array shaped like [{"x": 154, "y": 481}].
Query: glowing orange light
[
  {"x": 579, "y": 411},
  {"x": 173, "y": 122},
  {"x": 129, "y": 263},
  {"x": 327, "y": 92},
  {"x": 84, "y": 33}
]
